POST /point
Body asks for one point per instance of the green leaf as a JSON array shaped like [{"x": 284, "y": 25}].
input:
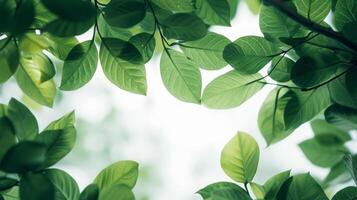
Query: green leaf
[
  {"x": 231, "y": 90},
  {"x": 9, "y": 59},
  {"x": 273, "y": 185},
  {"x": 65, "y": 187},
  {"x": 24, "y": 122},
  {"x": 305, "y": 105},
  {"x": 60, "y": 47},
  {"x": 64, "y": 122},
  {"x": 253, "y": 5},
  {"x": 301, "y": 187},
  {"x": 175, "y": 5},
  {"x": 345, "y": 12},
  {"x": 116, "y": 192},
  {"x": 249, "y": 54},
  {"x": 349, "y": 31},
  {"x": 337, "y": 174},
  {"x": 274, "y": 24},
  {"x": 29, "y": 78},
  {"x": 22, "y": 157},
  {"x": 32, "y": 42},
  {"x": 125, "y": 75},
  {"x": 351, "y": 164},
  {"x": 271, "y": 120},
  {"x": 208, "y": 191},
  {"x": 343, "y": 117},
  {"x": 207, "y": 52},
  {"x": 91, "y": 192},
  {"x": 35, "y": 187},
  {"x": 181, "y": 76},
  {"x": 280, "y": 69},
  {"x": 58, "y": 142},
  {"x": 327, "y": 134},
  {"x": 68, "y": 28},
  {"x": 348, "y": 193},
  {"x": 314, "y": 10},
  {"x": 214, "y": 12},
  {"x": 23, "y": 17},
  {"x": 321, "y": 154},
  {"x": 340, "y": 94},
  {"x": 183, "y": 26},
  {"x": 6, "y": 15},
  {"x": 7, "y": 135},
  {"x": 79, "y": 66},
  {"x": 230, "y": 194},
  {"x": 7, "y": 183},
  {"x": 351, "y": 83},
  {"x": 258, "y": 190},
  {"x": 123, "y": 50},
  {"x": 108, "y": 31},
  {"x": 124, "y": 13},
  {"x": 240, "y": 157},
  {"x": 145, "y": 43},
  {"x": 121, "y": 172}
]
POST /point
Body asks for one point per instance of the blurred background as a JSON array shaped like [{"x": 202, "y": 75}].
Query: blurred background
[{"x": 178, "y": 145}]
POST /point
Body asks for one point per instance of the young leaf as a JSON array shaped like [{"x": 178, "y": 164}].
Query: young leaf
[
  {"x": 79, "y": 66},
  {"x": 345, "y": 12},
  {"x": 351, "y": 164},
  {"x": 181, "y": 76},
  {"x": 280, "y": 69},
  {"x": 36, "y": 186},
  {"x": 183, "y": 26},
  {"x": 313, "y": 10},
  {"x": 240, "y": 157},
  {"x": 348, "y": 193},
  {"x": 249, "y": 54},
  {"x": 9, "y": 59},
  {"x": 208, "y": 191},
  {"x": 124, "y": 13},
  {"x": 116, "y": 192},
  {"x": 341, "y": 116},
  {"x": 272, "y": 185},
  {"x": 91, "y": 192},
  {"x": 122, "y": 172},
  {"x": 207, "y": 52},
  {"x": 65, "y": 187},
  {"x": 24, "y": 156},
  {"x": 125, "y": 75},
  {"x": 214, "y": 12},
  {"x": 231, "y": 90}
]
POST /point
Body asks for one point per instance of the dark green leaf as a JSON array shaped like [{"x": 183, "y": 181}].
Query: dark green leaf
[
  {"x": 65, "y": 187},
  {"x": 145, "y": 43},
  {"x": 208, "y": 191},
  {"x": 280, "y": 69},
  {"x": 327, "y": 134},
  {"x": 273, "y": 185},
  {"x": 314, "y": 10},
  {"x": 35, "y": 187},
  {"x": 7, "y": 8},
  {"x": 7, "y": 135},
  {"x": 7, "y": 183},
  {"x": 230, "y": 194},
  {"x": 108, "y": 31},
  {"x": 351, "y": 83},
  {"x": 24, "y": 16},
  {"x": 9, "y": 59},
  {"x": 340, "y": 94},
  {"x": 345, "y": 12},
  {"x": 91, "y": 192},
  {"x": 68, "y": 28},
  {"x": 79, "y": 66},
  {"x": 214, "y": 12},
  {"x": 24, "y": 156},
  {"x": 349, "y": 30},
  {"x": 351, "y": 163},
  {"x": 176, "y": 5},
  {"x": 348, "y": 193},
  {"x": 249, "y": 54},
  {"x": 184, "y": 27},
  {"x": 123, "y": 50},
  {"x": 341, "y": 116},
  {"x": 231, "y": 90}
]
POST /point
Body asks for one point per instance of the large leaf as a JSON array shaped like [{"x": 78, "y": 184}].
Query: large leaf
[
  {"x": 9, "y": 60},
  {"x": 24, "y": 156},
  {"x": 240, "y": 157},
  {"x": 301, "y": 187},
  {"x": 36, "y": 186},
  {"x": 314, "y": 10},
  {"x": 183, "y": 26},
  {"x": 272, "y": 185},
  {"x": 122, "y": 172},
  {"x": 79, "y": 66},
  {"x": 231, "y": 90},
  {"x": 29, "y": 78},
  {"x": 125, "y": 75},
  {"x": 207, "y": 52},
  {"x": 305, "y": 105},
  {"x": 65, "y": 187},
  {"x": 348, "y": 193},
  {"x": 271, "y": 115},
  {"x": 24, "y": 122},
  {"x": 345, "y": 12},
  {"x": 175, "y": 5},
  {"x": 91, "y": 192},
  {"x": 181, "y": 76},
  {"x": 116, "y": 192},
  {"x": 230, "y": 194},
  {"x": 249, "y": 54},
  {"x": 214, "y": 12},
  {"x": 351, "y": 163},
  {"x": 341, "y": 116},
  {"x": 124, "y": 13}
]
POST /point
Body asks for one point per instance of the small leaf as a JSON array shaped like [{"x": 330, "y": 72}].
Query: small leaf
[
  {"x": 249, "y": 54},
  {"x": 348, "y": 193},
  {"x": 240, "y": 157},
  {"x": 214, "y": 12},
  {"x": 340, "y": 94},
  {"x": 123, "y": 50},
  {"x": 91, "y": 192},
  {"x": 35, "y": 187},
  {"x": 181, "y": 76},
  {"x": 65, "y": 187},
  {"x": 208, "y": 191},
  {"x": 122, "y": 172},
  {"x": 231, "y": 90},
  {"x": 66, "y": 121},
  {"x": 116, "y": 192}
]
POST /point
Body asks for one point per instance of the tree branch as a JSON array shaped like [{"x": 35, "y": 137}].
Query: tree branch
[{"x": 279, "y": 4}]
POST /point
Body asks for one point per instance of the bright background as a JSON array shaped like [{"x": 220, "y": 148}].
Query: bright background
[{"x": 178, "y": 145}]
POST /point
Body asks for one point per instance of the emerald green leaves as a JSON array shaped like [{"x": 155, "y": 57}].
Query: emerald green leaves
[
  {"x": 214, "y": 12},
  {"x": 313, "y": 10},
  {"x": 79, "y": 66},
  {"x": 181, "y": 76},
  {"x": 240, "y": 157},
  {"x": 231, "y": 90},
  {"x": 65, "y": 187},
  {"x": 346, "y": 193},
  {"x": 249, "y": 54},
  {"x": 91, "y": 192},
  {"x": 125, "y": 13},
  {"x": 183, "y": 26},
  {"x": 345, "y": 13},
  {"x": 36, "y": 186}
]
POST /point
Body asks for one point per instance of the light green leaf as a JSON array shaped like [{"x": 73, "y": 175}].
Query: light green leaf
[
  {"x": 249, "y": 54},
  {"x": 314, "y": 10},
  {"x": 116, "y": 192},
  {"x": 230, "y": 194},
  {"x": 273, "y": 185},
  {"x": 122, "y": 172},
  {"x": 181, "y": 76},
  {"x": 9, "y": 60},
  {"x": 231, "y": 90},
  {"x": 207, "y": 52},
  {"x": 253, "y": 5},
  {"x": 175, "y": 5},
  {"x": 108, "y": 31},
  {"x": 125, "y": 75},
  {"x": 240, "y": 157},
  {"x": 65, "y": 187},
  {"x": 35, "y": 186},
  {"x": 258, "y": 190},
  {"x": 348, "y": 193},
  {"x": 61, "y": 46},
  {"x": 29, "y": 78},
  {"x": 214, "y": 12},
  {"x": 280, "y": 69},
  {"x": 345, "y": 12},
  {"x": 208, "y": 191},
  {"x": 79, "y": 66},
  {"x": 66, "y": 121}
]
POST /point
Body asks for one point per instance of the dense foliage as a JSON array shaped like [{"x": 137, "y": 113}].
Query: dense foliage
[{"x": 310, "y": 59}]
